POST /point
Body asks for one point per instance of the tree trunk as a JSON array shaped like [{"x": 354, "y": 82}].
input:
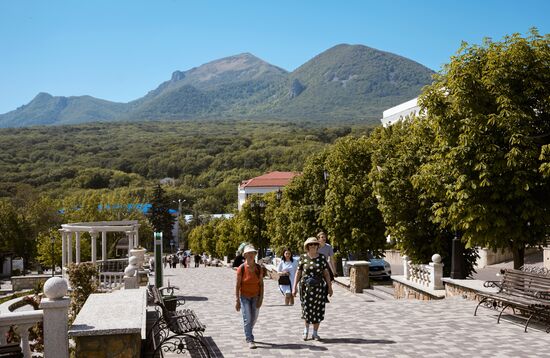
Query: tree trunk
[{"x": 519, "y": 258}]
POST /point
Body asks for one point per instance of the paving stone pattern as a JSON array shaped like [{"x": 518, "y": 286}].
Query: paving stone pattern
[{"x": 355, "y": 325}]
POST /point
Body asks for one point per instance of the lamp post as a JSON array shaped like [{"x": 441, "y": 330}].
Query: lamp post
[
  {"x": 259, "y": 205},
  {"x": 52, "y": 241},
  {"x": 279, "y": 195},
  {"x": 325, "y": 176},
  {"x": 178, "y": 229}
]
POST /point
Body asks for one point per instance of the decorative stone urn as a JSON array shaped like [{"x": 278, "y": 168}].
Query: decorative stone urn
[{"x": 140, "y": 254}]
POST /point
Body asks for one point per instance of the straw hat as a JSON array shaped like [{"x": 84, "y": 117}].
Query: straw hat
[
  {"x": 310, "y": 240},
  {"x": 249, "y": 248}
]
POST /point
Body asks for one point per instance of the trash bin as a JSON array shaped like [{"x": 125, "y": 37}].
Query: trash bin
[{"x": 170, "y": 302}]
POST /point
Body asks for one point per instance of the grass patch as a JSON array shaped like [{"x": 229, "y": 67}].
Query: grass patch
[{"x": 15, "y": 295}]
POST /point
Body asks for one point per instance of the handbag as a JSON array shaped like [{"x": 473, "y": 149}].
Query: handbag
[
  {"x": 313, "y": 281},
  {"x": 284, "y": 280}
]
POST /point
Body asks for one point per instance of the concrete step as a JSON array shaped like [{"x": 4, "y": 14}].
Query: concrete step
[
  {"x": 378, "y": 295},
  {"x": 384, "y": 290}
]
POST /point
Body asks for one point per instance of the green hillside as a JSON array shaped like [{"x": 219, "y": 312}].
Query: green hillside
[{"x": 207, "y": 159}]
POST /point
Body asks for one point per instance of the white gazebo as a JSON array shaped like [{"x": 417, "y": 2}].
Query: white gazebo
[{"x": 129, "y": 227}]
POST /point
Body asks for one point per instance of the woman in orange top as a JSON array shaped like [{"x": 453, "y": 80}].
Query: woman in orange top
[{"x": 249, "y": 292}]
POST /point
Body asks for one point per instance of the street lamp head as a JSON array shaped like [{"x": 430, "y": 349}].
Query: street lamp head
[
  {"x": 52, "y": 239},
  {"x": 279, "y": 194}
]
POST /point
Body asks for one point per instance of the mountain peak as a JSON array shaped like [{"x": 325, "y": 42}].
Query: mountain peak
[{"x": 42, "y": 96}]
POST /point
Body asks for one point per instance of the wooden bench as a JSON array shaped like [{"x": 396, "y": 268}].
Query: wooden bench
[
  {"x": 528, "y": 292},
  {"x": 177, "y": 331}
]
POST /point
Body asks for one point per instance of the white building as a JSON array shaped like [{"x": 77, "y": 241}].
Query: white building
[
  {"x": 395, "y": 114},
  {"x": 266, "y": 183}
]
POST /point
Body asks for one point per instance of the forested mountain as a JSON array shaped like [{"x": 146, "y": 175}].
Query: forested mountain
[
  {"x": 206, "y": 159},
  {"x": 346, "y": 82},
  {"x": 46, "y": 109}
]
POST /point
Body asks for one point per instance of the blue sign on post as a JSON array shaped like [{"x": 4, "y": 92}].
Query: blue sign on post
[{"x": 158, "y": 259}]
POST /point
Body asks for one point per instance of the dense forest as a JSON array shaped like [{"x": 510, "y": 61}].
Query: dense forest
[{"x": 206, "y": 159}]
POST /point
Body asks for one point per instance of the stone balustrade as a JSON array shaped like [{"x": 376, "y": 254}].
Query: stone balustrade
[
  {"x": 109, "y": 281},
  {"x": 429, "y": 276},
  {"x": 112, "y": 265},
  {"x": 23, "y": 321},
  {"x": 53, "y": 313}
]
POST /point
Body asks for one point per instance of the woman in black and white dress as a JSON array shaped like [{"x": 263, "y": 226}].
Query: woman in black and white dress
[{"x": 312, "y": 276}]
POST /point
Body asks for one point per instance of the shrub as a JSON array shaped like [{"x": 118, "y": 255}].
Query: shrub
[{"x": 83, "y": 282}]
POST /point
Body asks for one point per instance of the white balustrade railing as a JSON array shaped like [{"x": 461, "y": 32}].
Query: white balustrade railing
[
  {"x": 429, "y": 276},
  {"x": 109, "y": 281},
  {"x": 22, "y": 321}
]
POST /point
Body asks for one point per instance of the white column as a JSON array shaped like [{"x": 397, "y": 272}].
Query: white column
[
  {"x": 130, "y": 241},
  {"x": 104, "y": 246},
  {"x": 436, "y": 273},
  {"x": 55, "y": 307},
  {"x": 93, "y": 236},
  {"x": 69, "y": 248},
  {"x": 77, "y": 247},
  {"x": 136, "y": 238},
  {"x": 63, "y": 249}
]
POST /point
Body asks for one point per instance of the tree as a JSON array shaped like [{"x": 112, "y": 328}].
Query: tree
[
  {"x": 399, "y": 151},
  {"x": 296, "y": 217},
  {"x": 350, "y": 214},
  {"x": 15, "y": 232},
  {"x": 226, "y": 239},
  {"x": 490, "y": 112},
  {"x": 159, "y": 217}
]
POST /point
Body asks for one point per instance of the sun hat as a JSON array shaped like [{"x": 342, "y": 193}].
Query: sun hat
[
  {"x": 249, "y": 248},
  {"x": 310, "y": 240}
]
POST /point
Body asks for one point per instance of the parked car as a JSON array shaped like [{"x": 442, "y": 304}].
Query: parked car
[{"x": 378, "y": 268}]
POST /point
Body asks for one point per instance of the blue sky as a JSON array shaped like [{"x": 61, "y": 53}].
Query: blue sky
[{"x": 118, "y": 50}]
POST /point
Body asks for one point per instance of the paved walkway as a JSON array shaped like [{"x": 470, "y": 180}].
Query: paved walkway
[{"x": 355, "y": 325}]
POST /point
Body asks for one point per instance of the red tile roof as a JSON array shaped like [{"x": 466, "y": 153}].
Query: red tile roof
[{"x": 273, "y": 179}]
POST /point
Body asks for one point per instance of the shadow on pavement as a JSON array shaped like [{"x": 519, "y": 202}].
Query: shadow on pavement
[
  {"x": 213, "y": 348},
  {"x": 356, "y": 341},
  {"x": 267, "y": 345}
]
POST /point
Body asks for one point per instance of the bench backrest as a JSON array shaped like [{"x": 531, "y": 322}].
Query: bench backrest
[
  {"x": 157, "y": 298},
  {"x": 525, "y": 284}
]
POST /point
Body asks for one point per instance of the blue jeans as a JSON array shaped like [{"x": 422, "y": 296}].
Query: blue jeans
[{"x": 250, "y": 315}]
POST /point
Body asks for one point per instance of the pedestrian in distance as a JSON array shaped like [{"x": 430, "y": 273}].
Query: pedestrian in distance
[
  {"x": 204, "y": 258},
  {"x": 287, "y": 271},
  {"x": 327, "y": 250},
  {"x": 197, "y": 260},
  {"x": 249, "y": 292},
  {"x": 239, "y": 259},
  {"x": 312, "y": 276}
]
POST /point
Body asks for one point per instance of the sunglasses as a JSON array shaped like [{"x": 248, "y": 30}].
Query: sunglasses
[{"x": 308, "y": 245}]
